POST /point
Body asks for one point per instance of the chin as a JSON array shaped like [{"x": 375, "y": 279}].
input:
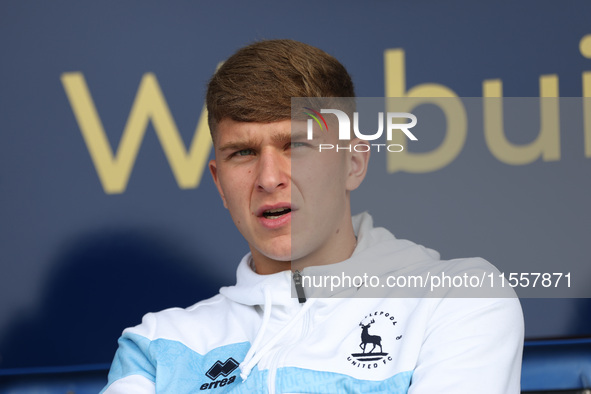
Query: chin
[
  {"x": 279, "y": 256},
  {"x": 277, "y": 253},
  {"x": 301, "y": 248}
]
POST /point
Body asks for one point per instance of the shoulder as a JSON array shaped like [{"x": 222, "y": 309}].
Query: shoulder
[
  {"x": 475, "y": 327},
  {"x": 175, "y": 340},
  {"x": 156, "y": 324},
  {"x": 200, "y": 327}
]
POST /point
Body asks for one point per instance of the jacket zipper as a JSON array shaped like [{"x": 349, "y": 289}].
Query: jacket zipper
[{"x": 297, "y": 280}]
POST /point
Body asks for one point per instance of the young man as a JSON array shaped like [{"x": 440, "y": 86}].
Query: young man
[{"x": 292, "y": 205}]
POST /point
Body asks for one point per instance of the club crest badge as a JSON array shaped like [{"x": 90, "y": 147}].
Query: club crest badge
[{"x": 378, "y": 333}]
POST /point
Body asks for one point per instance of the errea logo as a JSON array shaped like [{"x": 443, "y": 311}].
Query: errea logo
[{"x": 217, "y": 369}]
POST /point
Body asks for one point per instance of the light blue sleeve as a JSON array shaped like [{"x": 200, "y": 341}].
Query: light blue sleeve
[{"x": 132, "y": 358}]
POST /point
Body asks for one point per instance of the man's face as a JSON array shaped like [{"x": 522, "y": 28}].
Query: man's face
[{"x": 289, "y": 201}]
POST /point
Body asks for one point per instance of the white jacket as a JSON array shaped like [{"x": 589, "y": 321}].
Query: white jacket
[{"x": 255, "y": 337}]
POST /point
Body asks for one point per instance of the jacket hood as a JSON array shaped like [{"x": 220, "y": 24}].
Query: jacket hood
[{"x": 377, "y": 253}]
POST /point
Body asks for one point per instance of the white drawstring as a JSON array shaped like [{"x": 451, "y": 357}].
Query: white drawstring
[
  {"x": 266, "y": 317},
  {"x": 248, "y": 364}
]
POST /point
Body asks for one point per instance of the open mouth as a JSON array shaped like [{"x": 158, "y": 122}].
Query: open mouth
[{"x": 275, "y": 213}]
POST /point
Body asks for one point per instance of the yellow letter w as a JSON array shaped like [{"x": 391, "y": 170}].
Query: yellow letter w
[{"x": 149, "y": 104}]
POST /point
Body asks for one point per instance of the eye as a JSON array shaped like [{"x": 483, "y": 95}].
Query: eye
[
  {"x": 244, "y": 152},
  {"x": 241, "y": 153},
  {"x": 297, "y": 144}
]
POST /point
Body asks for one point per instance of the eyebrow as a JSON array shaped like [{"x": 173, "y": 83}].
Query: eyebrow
[
  {"x": 299, "y": 135},
  {"x": 240, "y": 144},
  {"x": 281, "y": 138},
  {"x": 277, "y": 138}
]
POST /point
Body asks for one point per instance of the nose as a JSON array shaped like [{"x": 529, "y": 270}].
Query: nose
[{"x": 273, "y": 170}]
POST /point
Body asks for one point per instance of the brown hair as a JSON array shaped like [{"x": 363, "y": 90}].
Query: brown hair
[{"x": 256, "y": 84}]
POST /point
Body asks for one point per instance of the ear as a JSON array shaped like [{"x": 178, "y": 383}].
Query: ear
[
  {"x": 358, "y": 162},
  {"x": 214, "y": 174}
]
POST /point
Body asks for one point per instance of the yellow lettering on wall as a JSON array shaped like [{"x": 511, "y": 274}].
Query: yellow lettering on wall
[
  {"x": 149, "y": 105},
  {"x": 585, "y": 48},
  {"x": 427, "y": 93},
  {"x": 546, "y": 145}
]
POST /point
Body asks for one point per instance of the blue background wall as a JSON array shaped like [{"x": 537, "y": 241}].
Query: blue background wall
[{"x": 78, "y": 264}]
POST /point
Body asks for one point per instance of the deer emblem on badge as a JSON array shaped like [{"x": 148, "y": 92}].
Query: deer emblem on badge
[{"x": 367, "y": 338}]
